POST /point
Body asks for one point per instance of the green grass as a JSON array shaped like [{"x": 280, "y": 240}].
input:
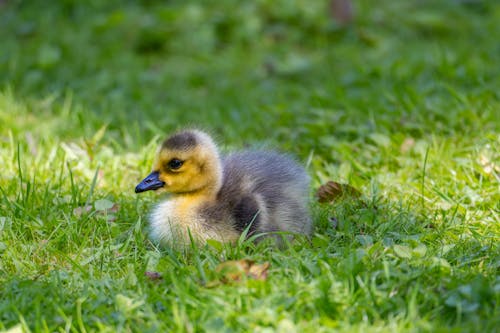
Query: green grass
[{"x": 404, "y": 105}]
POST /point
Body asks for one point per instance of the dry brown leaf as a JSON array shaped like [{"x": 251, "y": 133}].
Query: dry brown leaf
[
  {"x": 153, "y": 276},
  {"x": 234, "y": 270},
  {"x": 332, "y": 191},
  {"x": 259, "y": 272},
  {"x": 239, "y": 270}
]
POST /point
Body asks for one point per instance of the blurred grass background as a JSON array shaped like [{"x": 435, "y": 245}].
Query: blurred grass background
[{"x": 263, "y": 69}]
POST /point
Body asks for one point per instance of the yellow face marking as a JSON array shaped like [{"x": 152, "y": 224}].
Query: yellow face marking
[{"x": 188, "y": 177}]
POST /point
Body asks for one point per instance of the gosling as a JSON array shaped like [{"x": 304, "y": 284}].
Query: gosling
[{"x": 257, "y": 193}]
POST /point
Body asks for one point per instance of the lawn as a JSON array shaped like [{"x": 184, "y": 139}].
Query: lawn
[{"x": 402, "y": 103}]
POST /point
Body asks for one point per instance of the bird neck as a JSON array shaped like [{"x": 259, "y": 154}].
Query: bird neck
[{"x": 191, "y": 201}]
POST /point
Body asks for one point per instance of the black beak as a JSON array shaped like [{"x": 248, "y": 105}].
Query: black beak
[{"x": 151, "y": 182}]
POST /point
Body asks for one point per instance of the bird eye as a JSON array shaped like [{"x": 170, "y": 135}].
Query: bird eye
[{"x": 175, "y": 164}]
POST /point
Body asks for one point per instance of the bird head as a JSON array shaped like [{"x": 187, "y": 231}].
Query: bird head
[{"x": 186, "y": 162}]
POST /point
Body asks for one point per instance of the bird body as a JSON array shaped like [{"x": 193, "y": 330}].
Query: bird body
[{"x": 257, "y": 192}]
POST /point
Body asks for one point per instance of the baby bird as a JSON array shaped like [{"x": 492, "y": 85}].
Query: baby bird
[{"x": 219, "y": 198}]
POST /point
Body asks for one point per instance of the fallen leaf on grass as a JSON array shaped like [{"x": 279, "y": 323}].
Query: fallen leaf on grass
[
  {"x": 79, "y": 211},
  {"x": 153, "y": 276},
  {"x": 332, "y": 191},
  {"x": 239, "y": 270},
  {"x": 258, "y": 272}
]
